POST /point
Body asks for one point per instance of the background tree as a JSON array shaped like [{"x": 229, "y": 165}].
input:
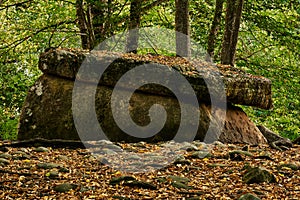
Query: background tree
[
  {"x": 95, "y": 21},
  {"x": 100, "y": 19},
  {"x": 215, "y": 27},
  {"x": 104, "y": 18},
  {"x": 182, "y": 28},
  {"x": 134, "y": 24},
  {"x": 232, "y": 25},
  {"x": 85, "y": 25}
]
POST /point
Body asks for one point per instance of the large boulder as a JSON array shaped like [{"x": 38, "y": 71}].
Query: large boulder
[
  {"x": 241, "y": 88},
  {"x": 47, "y": 111}
]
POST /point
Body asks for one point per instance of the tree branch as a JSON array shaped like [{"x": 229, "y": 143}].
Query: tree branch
[
  {"x": 72, "y": 3},
  {"x": 151, "y": 5},
  {"x": 12, "y": 5},
  {"x": 255, "y": 52},
  {"x": 20, "y": 41},
  {"x": 55, "y": 143}
]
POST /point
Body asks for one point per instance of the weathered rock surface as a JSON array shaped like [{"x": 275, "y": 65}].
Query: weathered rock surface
[
  {"x": 241, "y": 88},
  {"x": 258, "y": 175},
  {"x": 47, "y": 114},
  {"x": 4, "y": 161},
  {"x": 65, "y": 187},
  {"x": 41, "y": 149},
  {"x": 47, "y": 111},
  {"x": 275, "y": 140},
  {"x": 248, "y": 197}
]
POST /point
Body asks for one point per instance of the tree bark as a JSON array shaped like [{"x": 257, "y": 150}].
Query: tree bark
[
  {"x": 182, "y": 27},
  {"x": 236, "y": 28},
  {"x": 99, "y": 11},
  {"x": 82, "y": 24},
  {"x": 85, "y": 25},
  {"x": 96, "y": 22},
  {"x": 232, "y": 25},
  {"x": 215, "y": 26},
  {"x": 134, "y": 24}
]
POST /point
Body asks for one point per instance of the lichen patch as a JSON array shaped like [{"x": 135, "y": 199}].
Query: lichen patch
[{"x": 39, "y": 89}]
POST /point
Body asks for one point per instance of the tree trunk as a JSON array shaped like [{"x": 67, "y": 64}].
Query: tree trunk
[
  {"x": 236, "y": 28},
  {"x": 82, "y": 24},
  {"x": 232, "y": 25},
  {"x": 96, "y": 21},
  {"x": 134, "y": 24},
  {"x": 85, "y": 25},
  {"x": 182, "y": 27},
  {"x": 99, "y": 11},
  {"x": 215, "y": 26}
]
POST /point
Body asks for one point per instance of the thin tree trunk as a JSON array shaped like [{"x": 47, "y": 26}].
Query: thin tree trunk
[
  {"x": 182, "y": 27},
  {"x": 215, "y": 26},
  {"x": 227, "y": 39},
  {"x": 109, "y": 23},
  {"x": 134, "y": 24},
  {"x": 85, "y": 25},
  {"x": 96, "y": 23},
  {"x": 236, "y": 28},
  {"x": 99, "y": 14},
  {"x": 232, "y": 25},
  {"x": 82, "y": 24}
]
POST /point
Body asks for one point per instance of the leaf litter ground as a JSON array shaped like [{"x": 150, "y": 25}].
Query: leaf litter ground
[{"x": 36, "y": 173}]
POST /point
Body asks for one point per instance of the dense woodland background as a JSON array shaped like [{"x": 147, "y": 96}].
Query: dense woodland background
[{"x": 268, "y": 45}]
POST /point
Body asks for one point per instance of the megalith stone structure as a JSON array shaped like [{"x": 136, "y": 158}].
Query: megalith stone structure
[{"x": 48, "y": 111}]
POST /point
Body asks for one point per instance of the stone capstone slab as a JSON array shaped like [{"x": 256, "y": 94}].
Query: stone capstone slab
[{"x": 240, "y": 87}]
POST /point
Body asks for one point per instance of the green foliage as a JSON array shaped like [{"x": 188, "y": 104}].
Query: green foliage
[
  {"x": 268, "y": 45},
  {"x": 161, "y": 16},
  {"x": 16, "y": 75},
  {"x": 26, "y": 30},
  {"x": 201, "y": 16},
  {"x": 284, "y": 117}
]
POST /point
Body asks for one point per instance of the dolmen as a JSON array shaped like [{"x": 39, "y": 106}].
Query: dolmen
[{"x": 66, "y": 99}]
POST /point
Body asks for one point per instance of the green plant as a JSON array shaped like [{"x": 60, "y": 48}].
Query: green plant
[{"x": 27, "y": 28}]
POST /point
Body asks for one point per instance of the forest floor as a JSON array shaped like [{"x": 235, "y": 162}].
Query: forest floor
[{"x": 76, "y": 173}]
